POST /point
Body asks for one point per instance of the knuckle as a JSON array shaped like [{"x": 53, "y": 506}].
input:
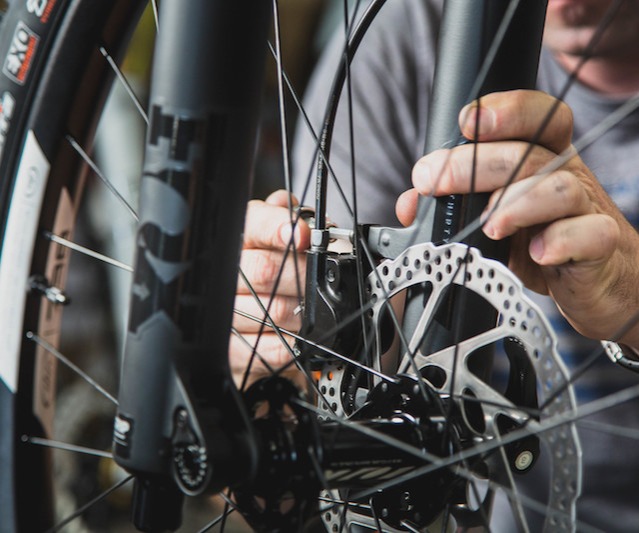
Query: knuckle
[
  {"x": 529, "y": 160},
  {"x": 453, "y": 179},
  {"x": 261, "y": 269},
  {"x": 518, "y": 99},
  {"x": 564, "y": 115},
  {"x": 565, "y": 185},
  {"x": 277, "y": 354},
  {"x": 609, "y": 231},
  {"x": 252, "y": 204},
  {"x": 280, "y": 310}
]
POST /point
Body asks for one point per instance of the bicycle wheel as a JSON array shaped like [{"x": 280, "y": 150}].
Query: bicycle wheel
[
  {"x": 347, "y": 385},
  {"x": 54, "y": 83}
]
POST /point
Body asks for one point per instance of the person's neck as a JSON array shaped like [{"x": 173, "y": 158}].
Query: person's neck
[{"x": 612, "y": 77}]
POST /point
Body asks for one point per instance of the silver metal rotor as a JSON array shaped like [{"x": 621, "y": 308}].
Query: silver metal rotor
[{"x": 442, "y": 267}]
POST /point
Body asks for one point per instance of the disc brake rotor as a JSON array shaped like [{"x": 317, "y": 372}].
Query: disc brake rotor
[{"x": 520, "y": 324}]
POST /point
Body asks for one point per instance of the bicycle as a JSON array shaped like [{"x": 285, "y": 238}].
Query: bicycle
[{"x": 438, "y": 434}]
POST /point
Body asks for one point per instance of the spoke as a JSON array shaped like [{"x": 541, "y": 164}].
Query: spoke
[
  {"x": 585, "y": 141},
  {"x": 319, "y": 471},
  {"x": 156, "y": 17},
  {"x": 318, "y": 148},
  {"x": 279, "y": 371},
  {"x": 353, "y": 504},
  {"x": 248, "y": 345},
  {"x": 88, "y": 505},
  {"x": 53, "y": 351},
  {"x": 359, "y": 263},
  {"x": 319, "y": 347},
  {"x": 268, "y": 321},
  {"x": 610, "y": 429},
  {"x": 280, "y": 96},
  {"x": 409, "y": 527},
  {"x": 66, "y": 447},
  {"x": 515, "y": 497},
  {"x": 100, "y": 175},
  {"x": 220, "y": 518},
  {"x": 579, "y": 145},
  {"x": 284, "y": 137},
  {"x": 433, "y": 462},
  {"x": 125, "y": 83},
  {"x": 86, "y": 251},
  {"x": 551, "y": 422}
]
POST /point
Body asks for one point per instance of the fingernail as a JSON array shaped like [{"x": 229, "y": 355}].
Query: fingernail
[
  {"x": 473, "y": 116},
  {"x": 536, "y": 248},
  {"x": 488, "y": 229},
  {"x": 286, "y": 232}
]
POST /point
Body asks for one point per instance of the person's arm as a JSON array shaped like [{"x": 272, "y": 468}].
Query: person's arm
[{"x": 569, "y": 240}]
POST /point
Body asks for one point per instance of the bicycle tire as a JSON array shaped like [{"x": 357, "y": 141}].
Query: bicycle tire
[{"x": 50, "y": 50}]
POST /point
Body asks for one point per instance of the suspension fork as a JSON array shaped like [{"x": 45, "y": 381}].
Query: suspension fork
[{"x": 180, "y": 420}]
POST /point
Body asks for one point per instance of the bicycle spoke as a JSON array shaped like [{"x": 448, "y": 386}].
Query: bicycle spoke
[
  {"x": 610, "y": 429},
  {"x": 229, "y": 508},
  {"x": 154, "y": 4},
  {"x": 125, "y": 83},
  {"x": 89, "y": 504},
  {"x": 76, "y": 146},
  {"x": 514, "y": 497},
  {"x": 86, "y": 251},
  {"x": 66, "y": 447},
  {"x": 60, "y": 357},
  {"x": 583, "y": 411},
  {"x": 320, "y": 348}
]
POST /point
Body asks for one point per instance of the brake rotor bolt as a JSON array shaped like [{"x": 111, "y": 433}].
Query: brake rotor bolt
[{"x": 524, "y": 460}]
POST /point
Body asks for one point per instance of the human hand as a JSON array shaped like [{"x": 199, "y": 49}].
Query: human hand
[
  {"x": 569, "y": 240},
  {"x": 267, "y": 237}
]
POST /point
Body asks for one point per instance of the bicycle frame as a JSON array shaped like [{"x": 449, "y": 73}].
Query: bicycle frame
[{"x": 182, "y": 426}]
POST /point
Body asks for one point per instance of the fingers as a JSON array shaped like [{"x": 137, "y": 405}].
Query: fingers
[
  {"x": 272, "y": 280},
  {"x": 477, "y": 168},
  {"x": 268, "y": 224},
  {"x": 271, "y": 355},
  {"x": 406, "y": 207},
  {"x": 588, "y": 272},
  {"x": 524, "y": 115},
  {"x": 588, "y": 238},
  {"x": 536, "y": 200},
  {"x": 506, "y": 124},
  {"x": 281, "y": 311},
  {"x": 272, "y": 270}
]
